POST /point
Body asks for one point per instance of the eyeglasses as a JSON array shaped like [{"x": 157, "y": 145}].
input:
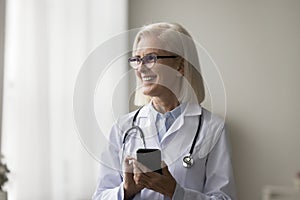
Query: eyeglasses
[{"x": 147, "y": 60}]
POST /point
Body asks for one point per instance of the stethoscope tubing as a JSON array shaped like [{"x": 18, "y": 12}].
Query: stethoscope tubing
[
  {"x": 142, "y": 136},
  {"x": 187, "y": 160}
]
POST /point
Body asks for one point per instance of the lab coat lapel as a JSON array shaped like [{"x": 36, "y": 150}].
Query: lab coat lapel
[
  {"x": 190, "y": 110},
  {"x": 175, "y": 126},
  {"x": 146, "y": 121},
  {"x": 177, "y": 145}
]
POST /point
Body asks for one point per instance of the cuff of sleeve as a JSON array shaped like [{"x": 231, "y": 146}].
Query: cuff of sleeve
[
  {"x": 121, "y": 192},
  {"x": 178, "y": 193}
]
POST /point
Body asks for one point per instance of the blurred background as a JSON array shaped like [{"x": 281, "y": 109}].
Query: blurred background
[{"x": 43, "y": 44}]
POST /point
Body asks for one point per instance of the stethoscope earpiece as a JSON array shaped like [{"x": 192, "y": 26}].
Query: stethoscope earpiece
[{"x": 187, "y": 161}]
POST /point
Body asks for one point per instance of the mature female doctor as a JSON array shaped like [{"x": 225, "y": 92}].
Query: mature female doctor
[{"x": 193, "y": 142}]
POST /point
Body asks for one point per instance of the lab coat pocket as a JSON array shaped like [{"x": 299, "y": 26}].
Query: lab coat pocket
[{"x": 193, "y": 177}]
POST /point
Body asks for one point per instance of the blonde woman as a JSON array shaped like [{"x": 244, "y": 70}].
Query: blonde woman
[{"x": 192, "y": 141}]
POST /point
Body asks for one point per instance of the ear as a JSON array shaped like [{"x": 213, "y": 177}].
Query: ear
[{"x": 180, "y": 67}]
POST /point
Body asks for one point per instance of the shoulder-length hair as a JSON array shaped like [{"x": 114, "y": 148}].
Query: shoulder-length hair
[{"x": 175, "y": 39}]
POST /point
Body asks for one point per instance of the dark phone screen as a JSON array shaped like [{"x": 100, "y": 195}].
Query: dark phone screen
[{"x": 151, "y": 158}]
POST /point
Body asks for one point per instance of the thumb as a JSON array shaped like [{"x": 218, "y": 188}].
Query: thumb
[
  {"x": 165, "y": 169},
  {"x": 128, "y": 165}
]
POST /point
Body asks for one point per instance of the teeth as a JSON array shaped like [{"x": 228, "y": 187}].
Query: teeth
[{"x": 148, "y": 78}]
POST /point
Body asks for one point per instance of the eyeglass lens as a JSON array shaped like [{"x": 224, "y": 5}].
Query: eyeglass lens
[{"x": 147, "y": 60}]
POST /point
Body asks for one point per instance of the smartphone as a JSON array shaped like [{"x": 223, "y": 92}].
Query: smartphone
[{"x": 151, "y": 158}]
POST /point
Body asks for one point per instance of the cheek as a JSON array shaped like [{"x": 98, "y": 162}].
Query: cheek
[
  {"x": 167, "y": 75},
  {"x": 138, "y": 74}
]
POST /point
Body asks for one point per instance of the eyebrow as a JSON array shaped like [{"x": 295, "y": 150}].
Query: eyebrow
[{"x": 147, "y": 54}]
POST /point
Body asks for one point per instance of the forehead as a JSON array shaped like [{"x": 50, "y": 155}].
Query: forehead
[{"x": 149, "y": 45}]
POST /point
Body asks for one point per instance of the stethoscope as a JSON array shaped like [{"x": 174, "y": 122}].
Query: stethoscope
[{"x": 187, "y": 160}]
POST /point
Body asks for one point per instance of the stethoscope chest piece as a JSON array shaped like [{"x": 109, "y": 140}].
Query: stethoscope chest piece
[{"x": 187, "y": 161}]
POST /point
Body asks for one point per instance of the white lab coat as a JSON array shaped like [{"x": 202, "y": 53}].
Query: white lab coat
[{"x": 210, "y": 178}]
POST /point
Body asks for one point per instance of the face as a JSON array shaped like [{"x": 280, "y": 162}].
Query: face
[{"x": 165, "y": 75}]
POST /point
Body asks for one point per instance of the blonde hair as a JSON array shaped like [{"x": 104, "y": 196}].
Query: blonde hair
[{"x": 174, "y": 38}]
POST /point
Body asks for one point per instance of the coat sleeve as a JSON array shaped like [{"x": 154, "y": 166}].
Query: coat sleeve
[
  {"x": 110, "y": 184},
  {"x": 219, "y": 184}
]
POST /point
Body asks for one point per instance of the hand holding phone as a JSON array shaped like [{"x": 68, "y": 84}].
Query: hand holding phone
[{"x": 150, "y": 158}]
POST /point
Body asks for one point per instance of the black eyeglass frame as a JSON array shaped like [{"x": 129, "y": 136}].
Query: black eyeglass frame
[{"x": 141, "y": 60}]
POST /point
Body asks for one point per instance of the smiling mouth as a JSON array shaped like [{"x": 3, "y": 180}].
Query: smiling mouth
[{"x": 148, "y": 78}]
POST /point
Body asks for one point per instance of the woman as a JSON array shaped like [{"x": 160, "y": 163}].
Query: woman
[{"x": 172, "y": 120}]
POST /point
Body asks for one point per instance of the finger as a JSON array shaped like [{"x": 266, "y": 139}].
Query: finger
[
  {"x": 141, "y": 167},
  {"x": 128, "y": 160},
  {"x": 151, "y": 180},
  {"x": 163, "y": 164},
  {"x": 141, "y": 183},
  {"x": 136, "y": 169},
  {"x": 152, "y": 175},
  {"x": 165, "y": 169},
  {"x": 140, "y": 179},
  {"x": 128, "y": 164}
]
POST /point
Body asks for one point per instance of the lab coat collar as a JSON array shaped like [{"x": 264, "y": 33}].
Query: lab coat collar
[
  {"x": 191, "y": 109},
  {"x": 148, "y": 119}
]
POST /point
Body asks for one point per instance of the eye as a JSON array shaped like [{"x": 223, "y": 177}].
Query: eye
[
  {"x": 150, "y": 58},
  {"x": 133, "y": 60}
]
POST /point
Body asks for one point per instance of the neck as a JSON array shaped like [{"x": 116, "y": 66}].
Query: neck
[{"x": 165, "y": 104}]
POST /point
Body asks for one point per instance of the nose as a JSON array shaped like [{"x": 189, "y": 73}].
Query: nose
[{"x": 142, "y": 68}]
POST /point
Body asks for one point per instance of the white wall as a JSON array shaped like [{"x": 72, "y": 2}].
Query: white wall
[
  {"x": 2, "y": 20},
  {"x": 256, "y": 46}
]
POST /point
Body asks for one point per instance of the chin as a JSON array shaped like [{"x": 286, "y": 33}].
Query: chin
[{"x": 148, "y": 91}]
